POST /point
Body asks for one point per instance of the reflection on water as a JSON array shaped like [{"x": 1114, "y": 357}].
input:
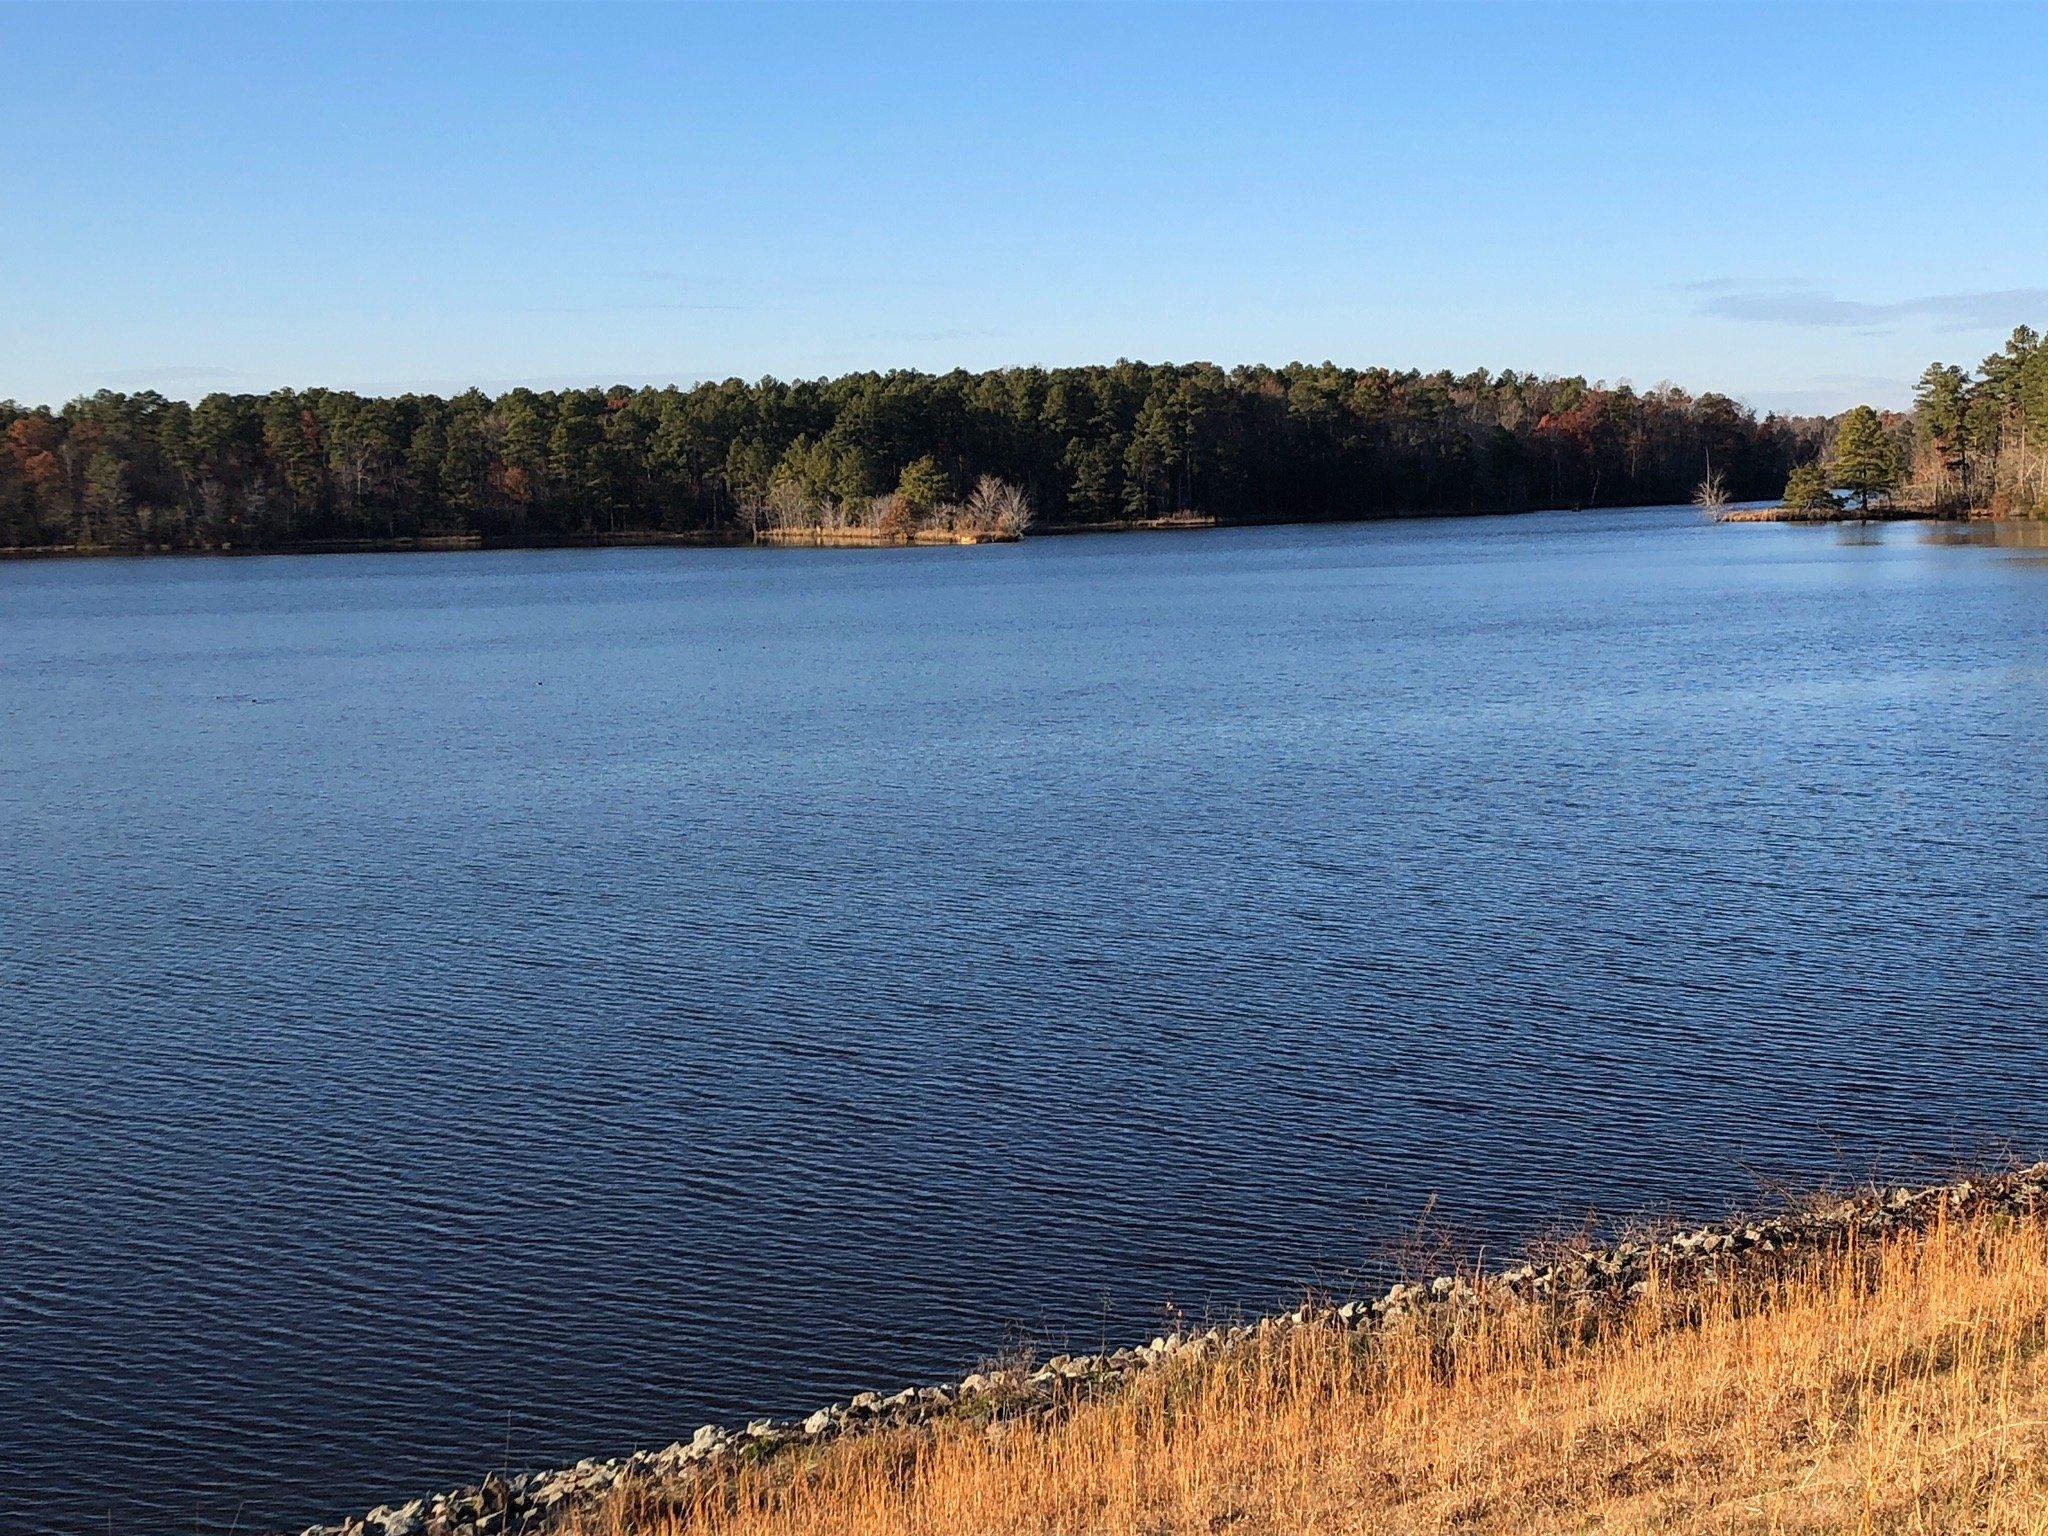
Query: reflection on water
[
  {"x": 482, "y": 1007},
  {"x": 2002, "y": 533}
]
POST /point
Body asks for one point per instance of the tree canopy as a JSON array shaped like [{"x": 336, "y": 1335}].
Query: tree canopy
[
  {"x": 1865, "y": 463},
  {"x": 1980, "y": 440},
  {"x": 1806, "y": 489},
  {"x": 1081, "y": 446}
]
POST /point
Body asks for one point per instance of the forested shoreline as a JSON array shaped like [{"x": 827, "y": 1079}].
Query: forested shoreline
[
  {"x": 1981, "y": 439},
  {"x": 1975, "y": 444},
  {"x": 898, "y": 452}
]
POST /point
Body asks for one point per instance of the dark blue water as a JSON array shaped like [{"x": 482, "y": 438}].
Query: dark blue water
[{"x": 459, "y": 1009}]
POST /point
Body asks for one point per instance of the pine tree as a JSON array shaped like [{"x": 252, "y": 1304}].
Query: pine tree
[
  {"x": 1806, "y": 489},
  {"x": 523, "y": 433},
  {"x": 923, "y": 487},
  {"x": 1941, "y": 409},
  {"x": 106, "y": 498},
  {"x": 1866, "y": 463}
]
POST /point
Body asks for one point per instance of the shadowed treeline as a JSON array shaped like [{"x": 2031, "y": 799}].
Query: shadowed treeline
[{"x": 1093, "y": 445}]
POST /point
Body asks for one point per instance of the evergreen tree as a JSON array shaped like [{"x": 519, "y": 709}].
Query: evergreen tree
[
  {"x": 291, "y": 440},
  {"x": 1806, "y": 489},
  {"x": 749, "y": 468},
  {"x": 924, "y": 487},
  {"x": 107, "y": 503},
  {"x": 524, "y": 427},
  {"x": 574, "y": 465},
  {"x": 1866, "y": 463},
  {"x": 1941, "y": 413},
  {"x": 464, "y": 472}
]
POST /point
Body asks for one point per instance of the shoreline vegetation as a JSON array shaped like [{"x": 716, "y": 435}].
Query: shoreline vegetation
[
  {"x": 868, "y": 538},
  {"x": 900, "y": 454},
  {"x": 917, "y": 458},
  {"x": 1876, "y": 1362},
  {"x": 1894, "y": 512},
  {"x": 1974, "y": 448},
  {"x": 908, "y": 458},
  {"x": 798, "y": 536}
]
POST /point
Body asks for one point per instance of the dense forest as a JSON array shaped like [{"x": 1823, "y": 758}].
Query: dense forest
[
  {"x": 1069, "y": 446},
  {"x": 1981, "y": 440}
]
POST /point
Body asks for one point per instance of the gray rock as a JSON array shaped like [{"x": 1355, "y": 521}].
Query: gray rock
[{"x": 534, "y": 1502}]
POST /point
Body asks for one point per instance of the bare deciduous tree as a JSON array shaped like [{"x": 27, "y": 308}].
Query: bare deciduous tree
[
  {"x": 1711, "y": 497},
  {"x": 996, "y": 506}
]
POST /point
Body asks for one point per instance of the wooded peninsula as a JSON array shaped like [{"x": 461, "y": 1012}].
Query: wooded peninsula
[
  {"x": 1974, "y": 445},
  {"x": 914, "y": 455}
]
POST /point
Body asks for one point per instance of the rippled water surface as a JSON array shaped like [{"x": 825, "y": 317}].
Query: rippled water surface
[{"x": 460, "y": 1009}]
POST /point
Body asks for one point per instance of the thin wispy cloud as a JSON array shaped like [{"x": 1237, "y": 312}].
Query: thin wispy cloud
[{"x": 1799, "y": 304}]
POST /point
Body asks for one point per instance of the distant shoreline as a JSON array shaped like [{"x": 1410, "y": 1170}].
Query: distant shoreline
[
  {"x": 415, "y": 544},
  {"x": 789, "y": 538},
  {"x": 873, "y": 538}
]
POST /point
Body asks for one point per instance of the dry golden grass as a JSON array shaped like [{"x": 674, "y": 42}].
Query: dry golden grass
[{"x": 1903, "y": 1389}]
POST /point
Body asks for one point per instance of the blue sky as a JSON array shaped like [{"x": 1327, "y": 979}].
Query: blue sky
[{"x": 1799, "y": 205}]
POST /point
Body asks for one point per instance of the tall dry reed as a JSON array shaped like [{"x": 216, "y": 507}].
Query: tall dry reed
[{"x": 1902, "y": 1388}]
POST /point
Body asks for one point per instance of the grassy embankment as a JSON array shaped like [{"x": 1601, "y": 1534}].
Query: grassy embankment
[{"x": 1899, "y": 1386}]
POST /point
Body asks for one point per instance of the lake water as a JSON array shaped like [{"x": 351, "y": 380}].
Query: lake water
[{"x": 484, "y": 1008}]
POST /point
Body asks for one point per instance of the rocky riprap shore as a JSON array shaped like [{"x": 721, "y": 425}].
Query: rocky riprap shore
[{"x": 534, "y": 1502}]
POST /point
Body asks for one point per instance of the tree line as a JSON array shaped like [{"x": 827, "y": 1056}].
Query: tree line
[
  {"x": 1982, "y": 438},
  {"x": 1974, "y": 444},
  {"x": 1068, "y": 446}
]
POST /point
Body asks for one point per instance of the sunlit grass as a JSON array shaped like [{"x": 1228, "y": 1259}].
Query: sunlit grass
[{"x": 1902, "y": 1388}]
